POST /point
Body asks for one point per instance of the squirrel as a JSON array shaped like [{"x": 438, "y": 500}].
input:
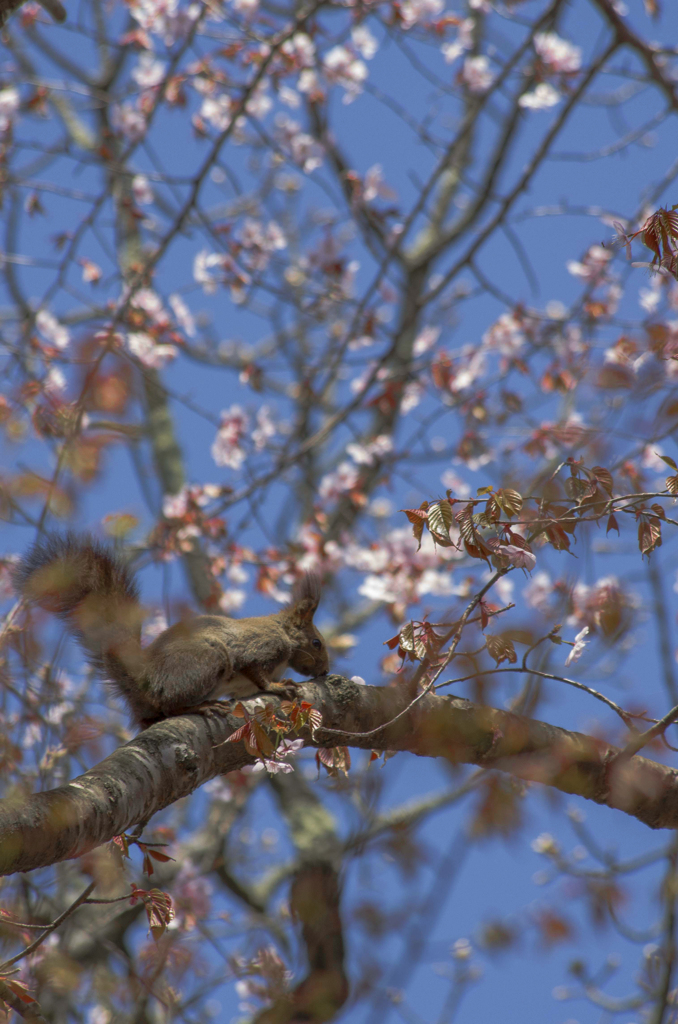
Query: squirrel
[{"x": 192, "y": 663}]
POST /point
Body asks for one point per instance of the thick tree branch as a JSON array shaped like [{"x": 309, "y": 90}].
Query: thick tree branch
[{"x": 173, "y": 758}]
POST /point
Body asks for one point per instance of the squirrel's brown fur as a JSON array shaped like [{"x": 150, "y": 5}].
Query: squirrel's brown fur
[{"x": 89, "y": 586}]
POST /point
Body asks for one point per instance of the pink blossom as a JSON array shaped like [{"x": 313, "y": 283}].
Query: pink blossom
[
  {"x": 518, "y": 556},
  {"x": 226, "y": 449}
]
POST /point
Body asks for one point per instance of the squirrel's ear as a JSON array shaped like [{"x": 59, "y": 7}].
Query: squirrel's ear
[{"x": 305, "y": 598}]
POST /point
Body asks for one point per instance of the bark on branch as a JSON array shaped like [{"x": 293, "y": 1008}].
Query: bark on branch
[{"x": 173, "y": 758}]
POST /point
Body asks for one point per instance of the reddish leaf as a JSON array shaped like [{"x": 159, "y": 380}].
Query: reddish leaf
[
  {"x": 158, "y": 907},
  {"x": 501, "y": 649},
  {"x": 19, "y": 990},
  {"x": 612, "y": 525},
  {"x": 510, "y": 501},
  {"x": 649, "y": 535},
  {"x": 336, "y": 760},
  {"x": 418, "y": 518},
  {"x": 558, "y": 538}
]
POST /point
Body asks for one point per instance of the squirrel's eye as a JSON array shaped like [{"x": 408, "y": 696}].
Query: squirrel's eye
[{"x": 316, "y": 643}]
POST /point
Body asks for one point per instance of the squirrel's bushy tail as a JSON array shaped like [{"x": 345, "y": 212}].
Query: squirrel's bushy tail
[{"x": 94, "y": 592}]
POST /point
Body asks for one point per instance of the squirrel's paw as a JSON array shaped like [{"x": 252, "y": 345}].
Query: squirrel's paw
[
  {"x": 211, "y": 707},
  {"x": 284, "y": 688}
]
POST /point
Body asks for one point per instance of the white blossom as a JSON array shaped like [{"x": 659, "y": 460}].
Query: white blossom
[
  {"x": 367, "y": 455},
  {"x": 425, "y": 340},
  {"x": 153, "y": 627},
  {"x": 202, "y": 264},
  {"x": 452, "y": 482},
  {"x": 537, "y": 594},
  {"x": 246, "y": 7},
  {"x": 579, "y": 645},
  {"x": 544, "y": 843},
  {"x": 559, "y": 54},
  {"x": 593, "y": 265},
  {"x": 9, "y": 104},
  {"x": 412, "y": 395},
  {"x": 216, "y": 110},
  {"x": 265, "y": 428},
  {"x": 414, "y": 11},
  {"x": 344, "y": 478},
  {"x": 52, "y": 330},
  {"x": 303, "y": 148},
  {"x": 364, "y": 42},
  {"x": 54, "y": 382},
  {"x": 476, "y": 74},
  {"x": 183, "y": 315},
  {"x": 148, "y": 352},
  {"x": 346, "y": 69},
  {"x": 301, "y": 48},
  {"x": 151, "y": 303},
  {"x": 290, "y": 97},
  {"x": 505, "y": 336},
  {"x": 463, "y": 42},
  {"x": 542, "y": 96},
  {"x": 143, "y": 193},
  {"x": 129, "y": 121},
  {"x": 149, "y": 71},
  {"x": 374, "y": 185}
]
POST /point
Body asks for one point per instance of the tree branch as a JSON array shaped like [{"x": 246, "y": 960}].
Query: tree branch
[{"x": 173, "y": 758}]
